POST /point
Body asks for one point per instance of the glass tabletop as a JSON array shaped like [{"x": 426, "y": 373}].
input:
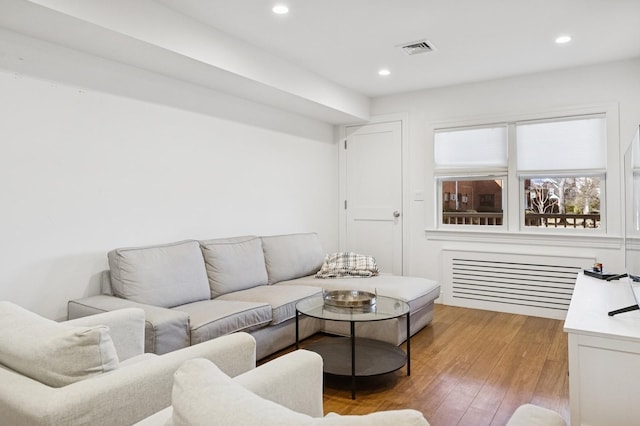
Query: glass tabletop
[{"x": 385, "y": 308}]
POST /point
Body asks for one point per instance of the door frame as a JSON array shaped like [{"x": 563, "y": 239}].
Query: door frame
[{"x": 403, "y": 118}]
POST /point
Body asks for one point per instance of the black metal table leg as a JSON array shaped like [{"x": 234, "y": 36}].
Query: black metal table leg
[
  {"x": 408, "y": 344},
  {"x": 297, "y": 330},
  {"x": 353, "y": 360}
]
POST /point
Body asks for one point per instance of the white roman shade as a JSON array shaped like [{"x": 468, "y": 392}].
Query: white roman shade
[
  {"x": 568, "y": 144},
  {"x": 471, "y": 149}
]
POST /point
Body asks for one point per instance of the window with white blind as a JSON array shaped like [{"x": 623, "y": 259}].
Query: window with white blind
[
  {"x": 471, "y": 171},
  {"x": 560, "y": 164}
]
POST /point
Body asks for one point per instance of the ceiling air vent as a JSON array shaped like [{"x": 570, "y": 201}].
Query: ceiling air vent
[{"x": 416, "y": 47}]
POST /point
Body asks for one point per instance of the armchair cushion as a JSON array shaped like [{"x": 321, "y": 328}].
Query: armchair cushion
[
  {"x": 234, "y": 264},
  {"x": 165, "y": 275},
  {"x": 204, "y": 395},
  {"x": 533, "y": 415},
  {"x": 52, "y": 353}
]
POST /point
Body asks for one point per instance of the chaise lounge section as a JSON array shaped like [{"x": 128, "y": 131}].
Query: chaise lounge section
[{"x": 193, "y": 291}]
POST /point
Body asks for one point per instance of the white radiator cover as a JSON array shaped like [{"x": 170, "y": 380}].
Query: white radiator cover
[{"x": 528, "y": 284}]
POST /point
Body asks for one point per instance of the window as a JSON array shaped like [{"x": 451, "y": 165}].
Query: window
[
  {"x": 562, "y": 202},
  {"x": 471, "y": 166},
  {"x": 475, "y": 201},
  {"x": 560, "y": 165}
]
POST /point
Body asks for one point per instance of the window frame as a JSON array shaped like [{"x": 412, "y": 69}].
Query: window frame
[
  {"x": 476, "y": 173},
  {"x": 551, "y": 173},
  {"x": 610, "y": 229}
]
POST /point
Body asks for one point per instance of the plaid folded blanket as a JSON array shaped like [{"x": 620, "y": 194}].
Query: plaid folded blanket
[{"x": 348, "y": 264}]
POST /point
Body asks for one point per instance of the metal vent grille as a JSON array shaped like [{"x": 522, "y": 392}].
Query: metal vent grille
[
  {"x": 417, "y": 47},
  {"x": 526, "y": 284}
]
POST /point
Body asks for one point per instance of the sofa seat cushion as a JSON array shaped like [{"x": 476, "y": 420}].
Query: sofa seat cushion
[
  {"x": 165, "y": 275},
  {"x": 413, "y": 290},
  {"x": 50, "y": 352},
  {"x": 234, "y": 264},
  {"x": 282, "y": 299},
  {"x": 204, "y": 395},
  {"x": 292, "y": 256},
  {"x": 209, "y": 319}
]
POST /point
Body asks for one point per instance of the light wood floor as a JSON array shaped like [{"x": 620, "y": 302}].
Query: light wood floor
[{"x": 469, "y": 367}]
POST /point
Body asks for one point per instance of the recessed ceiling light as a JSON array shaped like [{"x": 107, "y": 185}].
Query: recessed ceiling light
[
  {"x": 280, "y": 9},
  {"x": 563, "y": 39},
  {"x": 384, "y": 72}
]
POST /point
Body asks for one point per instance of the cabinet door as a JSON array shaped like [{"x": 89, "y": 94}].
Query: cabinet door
[{"x": 604, "y": 381}]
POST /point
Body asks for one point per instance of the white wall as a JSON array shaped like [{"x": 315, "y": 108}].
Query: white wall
[
  {"x": 83, "y": 171},
  {"x": 602, "y": 84}
]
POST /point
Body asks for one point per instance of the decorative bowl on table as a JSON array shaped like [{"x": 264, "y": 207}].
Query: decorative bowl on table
[{"x": 353, "y": 299}]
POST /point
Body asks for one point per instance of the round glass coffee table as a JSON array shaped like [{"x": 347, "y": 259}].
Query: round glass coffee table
[{"x": 353, "y": 356}]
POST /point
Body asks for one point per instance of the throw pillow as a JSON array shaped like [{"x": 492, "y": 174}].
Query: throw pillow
[
  {"x": 348, "y": 264},
  {"x": 50, "y": 352}
]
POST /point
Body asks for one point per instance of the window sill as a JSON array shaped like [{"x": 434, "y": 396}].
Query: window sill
[{"x": 546, "y": 239}]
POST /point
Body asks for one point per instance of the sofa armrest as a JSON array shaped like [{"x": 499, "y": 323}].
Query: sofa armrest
[
  {"x": 121, "y": 397},
  {"x": 293, "y": 380},
  {"x": 126, "y": 328},
  {"x": 166, "y": 330}
]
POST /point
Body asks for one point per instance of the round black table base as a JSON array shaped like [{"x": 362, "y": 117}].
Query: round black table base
[{"x": 373, "y": 357}]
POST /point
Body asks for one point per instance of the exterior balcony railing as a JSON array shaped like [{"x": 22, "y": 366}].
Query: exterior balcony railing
[
  {"x": 540, "y": 220},
  {"x": 471, "y": 218},
  {"x": 567, "y": 220}
]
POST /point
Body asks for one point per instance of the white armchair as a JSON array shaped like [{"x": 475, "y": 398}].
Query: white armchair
[
  {"x": 38, "y": 358},
  {"x": 286, "y": 391}
]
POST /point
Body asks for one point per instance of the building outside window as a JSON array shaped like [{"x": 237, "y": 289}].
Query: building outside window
[{"x": 472, "y": 202}]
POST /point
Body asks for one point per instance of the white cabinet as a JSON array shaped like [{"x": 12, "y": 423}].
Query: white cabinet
[{"x": 604, "y": 354}]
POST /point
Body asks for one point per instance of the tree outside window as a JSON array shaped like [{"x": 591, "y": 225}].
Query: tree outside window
[{"x": 563, "y": 202}]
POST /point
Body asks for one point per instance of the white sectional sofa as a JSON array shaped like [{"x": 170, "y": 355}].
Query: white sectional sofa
[{"x": 194, "y": 291}]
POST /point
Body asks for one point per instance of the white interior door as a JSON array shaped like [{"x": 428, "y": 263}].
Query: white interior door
[{"x": 373, "y": 155}]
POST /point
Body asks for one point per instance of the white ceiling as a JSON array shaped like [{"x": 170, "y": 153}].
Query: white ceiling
[
  {"x": 347, "y": 41},
  {"x": 321, "y": 60}
]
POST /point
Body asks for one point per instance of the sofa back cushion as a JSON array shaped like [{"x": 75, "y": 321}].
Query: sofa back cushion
[
  {"x": 163, "y": 275},
  {"x": 292, "y": 256},
  {"x": 234, "y": 264},
  {"x": 52, "y": 353}
]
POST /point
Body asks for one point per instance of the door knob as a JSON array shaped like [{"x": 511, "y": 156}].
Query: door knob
[{"x": 396, "y": 214}]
